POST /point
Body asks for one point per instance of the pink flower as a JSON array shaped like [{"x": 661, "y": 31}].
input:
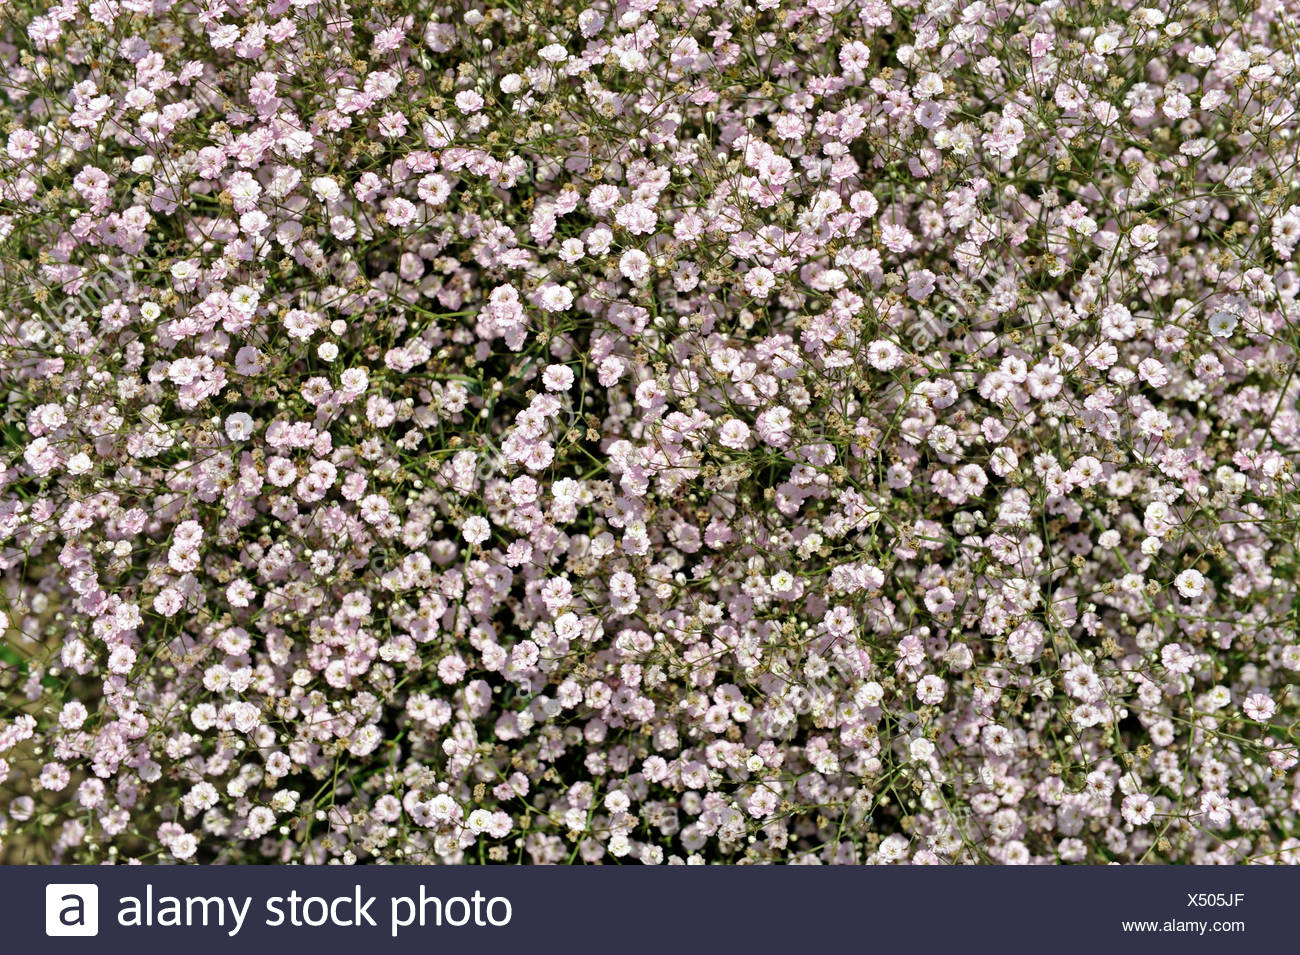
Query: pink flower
[{"x": 476, "y": 529}]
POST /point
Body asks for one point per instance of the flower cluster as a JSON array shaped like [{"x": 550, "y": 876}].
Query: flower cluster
[{"x": 522, "y": 431}]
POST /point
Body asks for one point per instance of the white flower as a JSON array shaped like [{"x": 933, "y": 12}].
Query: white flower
[
  {"x": 184, "y": 269},
  {"x": 1105, "y": 44},
  {"x": 1222, "y": 324},
  {"x": 1190, "y": 583},
  {"x": 1218, "y": 697},
  {"x": 759, "y": 281},
  {"x": 634, "y": 264},
  {"x": 326, "y": 189},
  {"x": 558, "y": 378},
  {"x": 442, "y": 807},
  {"x": 239, "y": 426},
  {"x": 619, "y": 845},
  {"x": 1138, "y": 809},
  {"x": 1144, "y": 236},
  {"x": 734, "y": 434},
  {"x": 184, "y": 846},
  {"x": 884, "y": 355},
  {"x": 79, "y": 463},
  {"x": 921, "y": 749},
  {"x": 476, "y": 529},
  {"x": 555, "y": 298},
  {"x": 244, "y": 298}
]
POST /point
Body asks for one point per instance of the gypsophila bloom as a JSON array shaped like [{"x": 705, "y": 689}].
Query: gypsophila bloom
[{"x": 796, "y": 432}]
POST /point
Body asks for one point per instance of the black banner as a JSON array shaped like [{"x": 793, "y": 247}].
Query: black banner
[{"x": 644, "y": 909}]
